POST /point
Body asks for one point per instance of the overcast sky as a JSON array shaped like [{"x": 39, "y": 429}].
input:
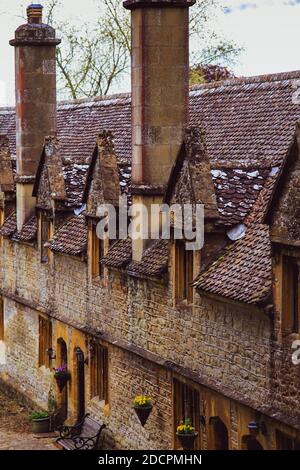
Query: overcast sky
[{"x": 268, "y": 29}]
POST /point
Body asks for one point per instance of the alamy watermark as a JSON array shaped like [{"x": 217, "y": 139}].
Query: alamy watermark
[{"x": 154, "y": 222}]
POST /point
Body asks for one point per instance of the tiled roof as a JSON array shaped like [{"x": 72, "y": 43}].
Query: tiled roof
[
  {"x": 154, "y": 261},
  {"x": 75, "y": 177},
  {"x": 71, "y": 237},
  {"x": 28, "y": 232},
  {"x": 119, "y": 254},
  {"x": 244, "y": 271},
  {"x": 9, "y": 226},
  {"x": 249, "y": 126},
  {"x": 249, "y": 122},
  {"x": 237, "y": 190}
]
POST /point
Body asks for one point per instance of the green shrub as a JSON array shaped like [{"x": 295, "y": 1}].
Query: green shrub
[{"x": 39, "y": 415}]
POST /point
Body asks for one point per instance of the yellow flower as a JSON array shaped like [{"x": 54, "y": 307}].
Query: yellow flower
[{"x": 142, "y": 400}]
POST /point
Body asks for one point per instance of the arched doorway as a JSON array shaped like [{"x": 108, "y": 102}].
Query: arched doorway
[
  {"x": 80, "y": 388},
  {"x": 62, "y": 360},
  {"x": 219, "y": 434},
  {"x": 250, "y": 443}
]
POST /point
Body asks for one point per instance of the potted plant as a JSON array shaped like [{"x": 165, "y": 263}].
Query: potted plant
[
  {"x": 142, "y": 405},
  {"x": 61, "y": 375},
  {"x": 186, "y": 434},
  {"x": 40, "y": 421}
]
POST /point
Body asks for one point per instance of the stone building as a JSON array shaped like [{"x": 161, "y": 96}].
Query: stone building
[{"x": 207, "y": 335}]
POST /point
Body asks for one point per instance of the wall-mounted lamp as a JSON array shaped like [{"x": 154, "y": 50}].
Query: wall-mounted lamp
[
  {"x": 90, "y": 347},
  {"x": 51, "y": 353},
  {"x": 255, "y": 427}
]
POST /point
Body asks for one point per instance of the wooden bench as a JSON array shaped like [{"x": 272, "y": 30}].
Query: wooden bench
[{"x": 83, "y": 436}]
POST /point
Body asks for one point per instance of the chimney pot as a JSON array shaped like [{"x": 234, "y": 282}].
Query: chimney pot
[{"x": 35, "y": 13}]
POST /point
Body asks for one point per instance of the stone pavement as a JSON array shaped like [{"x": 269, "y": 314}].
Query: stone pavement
[{"x": 15, "y": 431}]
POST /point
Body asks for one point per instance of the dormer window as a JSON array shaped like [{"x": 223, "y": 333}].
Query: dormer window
[
  {"x": 44, "y": 236},
  {"x": 184, "y": 273},
  {"x": 290, "y": 295},
  {"x": 97, "y": 252}
]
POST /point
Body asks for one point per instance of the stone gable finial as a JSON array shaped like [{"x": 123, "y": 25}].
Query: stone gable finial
[
  {"x": 6, "y": 172},
  {"x": 105, "y": 141},
  {"x": 195, "y": 140}
]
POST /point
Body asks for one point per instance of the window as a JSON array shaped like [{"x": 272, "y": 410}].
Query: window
[
  {"x": 96, "y": 254},
  {"x": 186, "y": 404},
  {"x": 1, "y": 319},
  {"x": 45, "y": 341},
  {"x": 44, "y": 236},
  {"x": 99, "y": 372},
  {"x": 184, "y": 271},
  {"x": 290, "y": 297},
  {"x": 285, "y": 442}
]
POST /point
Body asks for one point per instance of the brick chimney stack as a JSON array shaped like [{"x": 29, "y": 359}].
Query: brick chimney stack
[
  {"x": 35, "y": 72},
  {"x": 160, "y": 94}
]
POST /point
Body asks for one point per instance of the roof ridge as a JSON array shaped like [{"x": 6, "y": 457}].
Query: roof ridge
[
  {"x": 123, "y": 98},
  {"x": 255, "y": 79}
]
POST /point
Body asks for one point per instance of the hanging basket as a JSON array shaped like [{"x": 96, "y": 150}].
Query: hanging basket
[
  {"x": 61, "y": 382},
  {"x": 61, "y": 375},
  {"x": 187, "y": 440},
  {"x": 143, "y": 413}
]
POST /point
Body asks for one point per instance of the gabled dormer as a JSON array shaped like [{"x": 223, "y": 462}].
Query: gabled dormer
[
  {"x": 191, "y": 180},
  {"x": 283, "y": 216},
  {"x": 49, "y": 183},
  {"x": 190, "y": 183},
  {"x": 49, "y": 190},
  {"x": 102, "y": 187}
]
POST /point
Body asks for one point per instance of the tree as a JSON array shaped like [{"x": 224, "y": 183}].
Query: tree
[
  {"x": 94, "y": 56},
  {"x": 206, "y": 73}
]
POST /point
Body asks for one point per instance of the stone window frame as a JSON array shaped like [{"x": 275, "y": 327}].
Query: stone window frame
[
  {"x": 96, "y": 254},
  {"x": 286, "y": 442},
  {"x": 45, "y": 341},
  {"x": 186, "y": 395},
  {"x": 184, "y": 265},
  {"x": 99, "y": 372}
]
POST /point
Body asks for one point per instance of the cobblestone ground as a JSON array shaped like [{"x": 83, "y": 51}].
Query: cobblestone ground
[{"x": 15, "y": 431}]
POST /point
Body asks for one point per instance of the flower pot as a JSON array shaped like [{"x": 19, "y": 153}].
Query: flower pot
[
  {"x": 41, "y": 425},
  {"x": 143, "y": 413},
  {"x": 187, "y": 440},
  {"x": 61, "y": 381}
]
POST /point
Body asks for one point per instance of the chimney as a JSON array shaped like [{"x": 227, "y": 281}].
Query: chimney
[
  {"x": 35, "y": 72},
  {"x": 160, "y": 94}
]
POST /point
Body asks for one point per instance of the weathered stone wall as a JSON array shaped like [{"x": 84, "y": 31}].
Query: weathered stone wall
[
  {"x": 70, "y": 288},
  {"x": 131, "y": 376},
  {"x": 229, "y": 347},
  {"x": 23, "y": 274},
  {"x": 21, "y": 367}
]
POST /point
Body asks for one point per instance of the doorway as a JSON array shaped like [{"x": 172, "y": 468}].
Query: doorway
[
  {"x": 62, "y": 360},
  {"x": 251, "y": 443},
  {"x": 219, "y": 434}
]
